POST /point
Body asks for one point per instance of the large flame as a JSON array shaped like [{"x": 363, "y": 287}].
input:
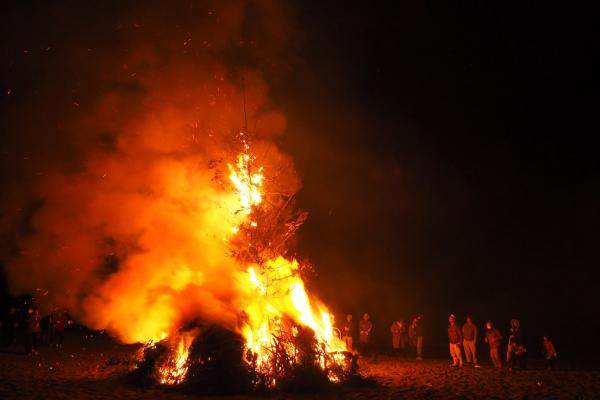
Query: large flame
[
  {"x": 277, "y": 303},
  {"x": 279, "y": 291},
  {"x": 280, "y": 295},
  {"x": 248, "y": 184}
]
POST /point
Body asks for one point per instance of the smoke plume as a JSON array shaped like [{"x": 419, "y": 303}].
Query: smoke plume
[{"x": 123, "y": 210}]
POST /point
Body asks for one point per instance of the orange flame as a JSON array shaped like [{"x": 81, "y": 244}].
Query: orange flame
[
  {"x": 174, "y": 370},
  {"x": 248, "y": 184},
  {"x": 279, "y": 293},
  {"x": 276, "y": 295},
  {"x": 278, "y": 289}
]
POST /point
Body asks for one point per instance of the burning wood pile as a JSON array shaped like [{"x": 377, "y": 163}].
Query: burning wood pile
[{"x": 285, "y": 338}]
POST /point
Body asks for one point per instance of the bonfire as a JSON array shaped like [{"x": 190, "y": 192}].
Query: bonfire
[{"x": 286, "y": 331}]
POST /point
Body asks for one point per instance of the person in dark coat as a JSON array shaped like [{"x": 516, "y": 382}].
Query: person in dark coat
[
  {"x": 412, "y": 335},
  {"x": 515, "y": 353},
  {"x": 45, "y": 330},
  {"x": 10, "y": 323},
  {"x": 17, "y": 325},
  {"x": 33, "y": 331},
  {"x": 420, "y": 332},
  {"x": 493, "y": 337},
  {"x": 396, "y": 331},
  {"x": 365, "y": 328},
  {"x": 469, "y": 332},
  {"x": 349, "y": 332},
  {"x": 404, "y": 339},
  {"x": 58, "y": 322}
]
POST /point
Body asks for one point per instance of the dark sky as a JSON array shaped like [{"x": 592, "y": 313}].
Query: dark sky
[
  {"x": 447, "y": 152},
  {"x": 449, "y": 160}
]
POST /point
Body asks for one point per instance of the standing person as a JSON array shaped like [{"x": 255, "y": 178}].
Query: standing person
[
  {"x": 455, "y": 338},
  {"x": 493, "y": 337},
  {"x": 515, "y": 353},
  {"x": 419, "y": 330},
  {"x": 365, "y": 327},
  {"x": 412, "y": 335},
  {"x": 58, "y": 320},
  {"x": 12, "y": 326},
  {"x": 5, "y": 326},
  {"x": 33, "y": 331},
  {"x": 45, "y": 330},
  {"x": 403, "y": 338},
  {"x": 348, "y": 332},
  {"x": 396, "y": 330},
  {"x": 550, "y": 354},
  {"x": 469, "y": 331}
]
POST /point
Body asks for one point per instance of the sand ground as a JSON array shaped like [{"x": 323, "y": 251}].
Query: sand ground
[{"x": 92, "y": 367}]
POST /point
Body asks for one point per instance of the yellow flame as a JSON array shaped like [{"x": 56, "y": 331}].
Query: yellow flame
[
  {"x": 174, "y": 370},
  {"x": 279, "y": 291},
  {"x": 277, "y": 295},
  {"x": 248, "y": 184}
]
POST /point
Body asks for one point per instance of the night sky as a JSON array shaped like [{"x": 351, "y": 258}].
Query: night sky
[{"x": 447, "y": 152}]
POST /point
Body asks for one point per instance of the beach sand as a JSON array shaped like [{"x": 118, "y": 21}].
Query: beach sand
[{"x": 92, "y": 367}]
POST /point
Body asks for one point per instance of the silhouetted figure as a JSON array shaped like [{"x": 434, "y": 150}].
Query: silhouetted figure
[
  {"x": 550, "y": 354},
  {"x": 33, "y": 331},
  {"x": 469, "y": 332},
  {"x": 58, "y": 322},
  {"x": 515, "y": 353},
  {"x": 419, "y": 331},
  {"x": 493, "y": 337},
  {"x": 455, "y": 339},
  {"x": 403, "y": 338},
  {"x": 349, "y": 332},
  {"x": 17, "y": 324},
  {"x": 45, "y": 330},
  {"x": 412, "y": 336},
  {"x": 396, "y": 331},
  {"x": 365, "y": 327},
  {"x": 10, "y": 323}
]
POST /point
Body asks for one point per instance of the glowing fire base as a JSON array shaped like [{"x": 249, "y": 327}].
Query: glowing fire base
[{"x": 218, "y": 361}]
